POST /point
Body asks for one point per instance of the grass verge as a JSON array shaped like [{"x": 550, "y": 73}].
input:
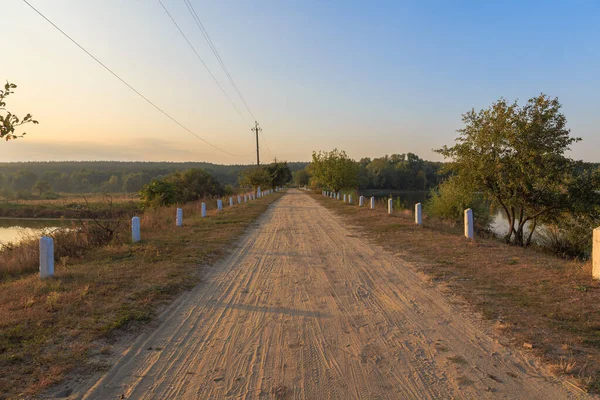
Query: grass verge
[
  {"x": 542, "y": 304},
  {"x": 48, "y": 327}
]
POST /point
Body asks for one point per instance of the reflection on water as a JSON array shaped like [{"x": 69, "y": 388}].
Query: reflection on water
[{"x": 15, "y": 230}]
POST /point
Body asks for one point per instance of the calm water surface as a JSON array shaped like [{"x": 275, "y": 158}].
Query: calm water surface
[{"x": 14, "y": 230}]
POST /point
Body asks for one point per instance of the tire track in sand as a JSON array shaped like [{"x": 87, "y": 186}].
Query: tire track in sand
[{"x": 303, "y": 309}]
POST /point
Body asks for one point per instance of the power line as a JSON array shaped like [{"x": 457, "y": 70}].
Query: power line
[
  {"x": 212, "y": 46},
  {"x": 204, "y": 32},
  {"x": 203, "y": 63},
  {"x": 214, "y": 50},
  {"x": 266, "y": 144},
  {"x": 128, "y": 85}
]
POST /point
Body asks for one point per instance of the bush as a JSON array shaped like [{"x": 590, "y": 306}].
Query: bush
[
  {"x": 159, "y": 193},
  {"x": 181, "y": 188},
  {"x": 23, "y": 194},
  {"x": 450, "y": 199},
  {"x": 570, "y": 236}
]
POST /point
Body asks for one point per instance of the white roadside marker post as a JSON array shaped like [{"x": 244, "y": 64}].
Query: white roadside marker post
[
  {"x": 46, "y": 257},
  {"x": 390, "y": 206},
  {"x": 135, "y": 229},
  {"x": 469, "y": 224},
  {"x": 179, "y": 219},
  {"x": 350, "y": 199},
  {"x": 361, "y": 201},
  {"x": 372, "y": 203},
  {"x": 203, "y": 209},
  {"x": 219, "y": 205},
  {"x": 418, "y": 214},
  {"x": 596, "y": 254}
]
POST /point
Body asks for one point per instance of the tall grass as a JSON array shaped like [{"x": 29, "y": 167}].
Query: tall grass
[{"x": 72, "y": 243}]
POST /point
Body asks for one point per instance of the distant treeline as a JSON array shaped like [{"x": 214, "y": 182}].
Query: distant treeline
[
  {"x": 399, "y": 172},
  {"x": 335, "y": 171},
  {"x": 104, "y": 176}
]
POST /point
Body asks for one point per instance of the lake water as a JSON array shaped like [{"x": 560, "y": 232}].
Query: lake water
[{"x": 14, "y": 230}]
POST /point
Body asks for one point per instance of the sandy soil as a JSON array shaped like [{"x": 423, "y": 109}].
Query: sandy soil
[{"x": 304, "y": 308}]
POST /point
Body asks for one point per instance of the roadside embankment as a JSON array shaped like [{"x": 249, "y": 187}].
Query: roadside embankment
[
  {"x": 49, "y": 327},
  {"x": 535, "y": 301}
]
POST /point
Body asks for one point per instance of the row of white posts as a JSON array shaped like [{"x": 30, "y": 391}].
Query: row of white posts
[
  {"x": 47, "y": 243},
  {"x": 468, "y": 225},
  {"x": 469, "y": 233}
]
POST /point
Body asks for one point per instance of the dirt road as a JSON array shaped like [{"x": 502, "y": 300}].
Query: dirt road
[{"x": 306, "y": 309}]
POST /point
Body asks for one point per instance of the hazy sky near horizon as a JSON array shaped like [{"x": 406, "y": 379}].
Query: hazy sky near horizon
[{"x": 372, "y": 78}]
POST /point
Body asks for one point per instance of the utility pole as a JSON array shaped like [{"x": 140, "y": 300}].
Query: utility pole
[{"x": 257, "y": 129}]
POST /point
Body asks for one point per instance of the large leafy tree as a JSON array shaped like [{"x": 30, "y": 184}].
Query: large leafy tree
[
  {"x": 334, "y": 170},
  {"x": 515, "y": 155},
  {"x": 301, "y": 177},
  {"x": 9, "y": 122},
  {"x": 280, "y": 173},
  {"x": 255, "y": 177}
]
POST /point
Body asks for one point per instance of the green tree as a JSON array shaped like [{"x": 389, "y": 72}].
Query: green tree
[
  {"x": 24, "y": 180},
  {"x": 134, "y": 182},
  {"x": 515, "y": 156},
  {"x": 196, "y": 184},
  {"x": 255, "y": 177},
  {"x": 159, "y": 193},
  {"x": 9, "y": 121},
  {"x": 334, "y": 170},
  {"x": 280, "y": 173},
  {"x": 112, "y": 185},
  {"x": 42, "y": 187},
  {"x": 301, "y": 177}
]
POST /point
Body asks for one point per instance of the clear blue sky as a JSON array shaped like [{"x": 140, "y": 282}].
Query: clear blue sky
[{"x": 372, "y": 78}]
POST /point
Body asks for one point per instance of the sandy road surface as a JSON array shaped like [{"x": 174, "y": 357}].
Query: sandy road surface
[{"x": 305, "y": 309}]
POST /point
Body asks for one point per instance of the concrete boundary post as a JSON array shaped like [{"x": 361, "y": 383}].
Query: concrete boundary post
[
  {"x": 46, "y": 257},
  {"x": 345, "y": 197},
  {"x": 239, "y": 199},
  {"x": 219, "y": 205},
  {"x": 372, "y": 203},
  {"x": 390, "y": 206},
  {"x": 179, "y": 219},
  {"x": 350, "y": 199},
  {"x": 596, "y": 254},
  {"x": 418, "y": 214},
  {"x": 203, "y": 209},
  {"x": 469, "y": 234},
  {"x": 135, "y": 229},
  {"x": 361, "y": 201}
]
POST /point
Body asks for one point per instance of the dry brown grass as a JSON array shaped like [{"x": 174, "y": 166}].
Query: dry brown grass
[
  {"x": 78, "y": 198},
  {"x": 48, "y": 327},
  {"x": 531, "y": 297}
]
